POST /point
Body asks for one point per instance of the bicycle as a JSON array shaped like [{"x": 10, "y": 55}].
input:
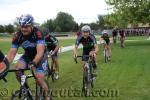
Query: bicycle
[
  {"x": 105, "y": 52},
  {"x": 88, "y": 77},
  {"x": 25, "y": 93}
]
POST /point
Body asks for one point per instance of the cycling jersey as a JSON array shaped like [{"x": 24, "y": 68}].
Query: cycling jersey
[
  {"x": 78, "y": 34},
  {"x": 28, "y": 43},
  {"x": 88, "y": 44},
  {"x": 106, "y": 38},
  {"x": 122, "y": 34},
  {"x": 114, "y": 33},
  {"x": 51, "y": 42}
]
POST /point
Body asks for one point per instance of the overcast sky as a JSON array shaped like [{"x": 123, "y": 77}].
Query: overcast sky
[{"x": 85, "y": 11}]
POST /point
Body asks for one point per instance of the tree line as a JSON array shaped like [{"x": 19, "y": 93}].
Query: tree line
[{"x": 64, "y": 22}]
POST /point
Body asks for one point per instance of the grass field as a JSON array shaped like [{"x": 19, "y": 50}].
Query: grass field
[{"x": 126, "y": 77}]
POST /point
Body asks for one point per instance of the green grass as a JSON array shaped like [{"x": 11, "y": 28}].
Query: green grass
[
  {"x": 67, "y": 42},
  {"x": 127, "y": 73},
  {"x": 136, "y": 38}
]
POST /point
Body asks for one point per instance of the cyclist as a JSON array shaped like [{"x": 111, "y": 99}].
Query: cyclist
[
  {"x": 122, "y": 38},
  {"x": 105, "y": 39},
  {"x": 32, "y": 41},
  {"x": 78, "y": 34},
  {"x": 89, "y": 43},
  {"x": 53, "y": 47},
  {"x": 114, "y": 34}
]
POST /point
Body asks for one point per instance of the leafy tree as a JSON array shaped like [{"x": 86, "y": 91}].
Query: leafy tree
[
  {"x": 9, "y": 28},
  {"x": 2, "y": 29}
]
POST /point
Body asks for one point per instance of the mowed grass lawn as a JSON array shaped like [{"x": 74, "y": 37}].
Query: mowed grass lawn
[{"x": 128, "y": 74}]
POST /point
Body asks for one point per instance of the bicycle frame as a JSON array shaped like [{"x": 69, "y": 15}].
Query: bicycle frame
[
  {"x": 106, "y": 54},
  {"x": 24, "y": 88},
  {"x": 87, "y": 74}
]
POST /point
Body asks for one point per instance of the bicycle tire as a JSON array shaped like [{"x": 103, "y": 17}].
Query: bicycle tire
[
  {"x": 53, "y": 75},
  {"x": 105, "y": 56},
  {"x": 38, "y": 92},
  {"x": 17, "y": 96},
  {"x": 85, "y": 82},
  {"x": 91, "y": 75}
]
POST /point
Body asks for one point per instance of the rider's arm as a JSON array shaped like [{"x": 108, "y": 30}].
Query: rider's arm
[
  {"x": 57, "y": 44},
  {"x": 96, "y": 49},
  {"x": 40, "y": 47},
  {"x": 75, "y": 50},
  {"x": 11, "y": 54},
  {"x": 95, "y": 45},
  {"x": 56, "y": 48},
  {"x": 111, "y": 39},
  {"x": 14, "y": 48},
  {"x": 40, "y": 51},
  {"x": 76, "y": 46}
]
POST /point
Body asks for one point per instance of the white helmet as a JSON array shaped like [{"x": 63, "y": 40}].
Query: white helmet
[
  {"x": 104, "y": 32},
  {"x": 86, "y": 28}
]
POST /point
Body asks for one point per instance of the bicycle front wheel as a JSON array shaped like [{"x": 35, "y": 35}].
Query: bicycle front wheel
[
  {"x": 20, "y": 96},
  {"x": 86, "y": 80},
  {"x": 106, "y": 55}
]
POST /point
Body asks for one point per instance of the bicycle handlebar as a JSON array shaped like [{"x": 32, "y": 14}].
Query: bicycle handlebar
[
  {"x": 75, "y": 59},
  {"x": 15, "y": 70},
  {"x": 25, "y": 69}
]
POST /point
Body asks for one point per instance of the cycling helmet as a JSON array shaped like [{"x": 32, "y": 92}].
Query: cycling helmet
[
  {"x": 26, "y": 20},
  {"x": 86, "y": 28},
  {"x": 105, "y": 32}
]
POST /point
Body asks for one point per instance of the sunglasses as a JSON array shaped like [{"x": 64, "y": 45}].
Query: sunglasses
[{"x": 26, "y": 26}]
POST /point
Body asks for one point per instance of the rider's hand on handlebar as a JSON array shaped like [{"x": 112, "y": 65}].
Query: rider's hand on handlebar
[
  {"x": 32, "y": 65},
  {"x": 92, "y": 53}
]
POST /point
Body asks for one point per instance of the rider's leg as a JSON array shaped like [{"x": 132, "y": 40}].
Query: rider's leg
[
  {"x": 41, "y": 82},
  {"x": 21, "y": 64},
  {"x": 123, "y": 41},
  {"x": 52, "y": 65},
  {"x": 109, "y": 50},
  {"x": 94, "y": 66},
  {"x": 41, "y": 71},
  {"x": 56, "y": 64}
]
